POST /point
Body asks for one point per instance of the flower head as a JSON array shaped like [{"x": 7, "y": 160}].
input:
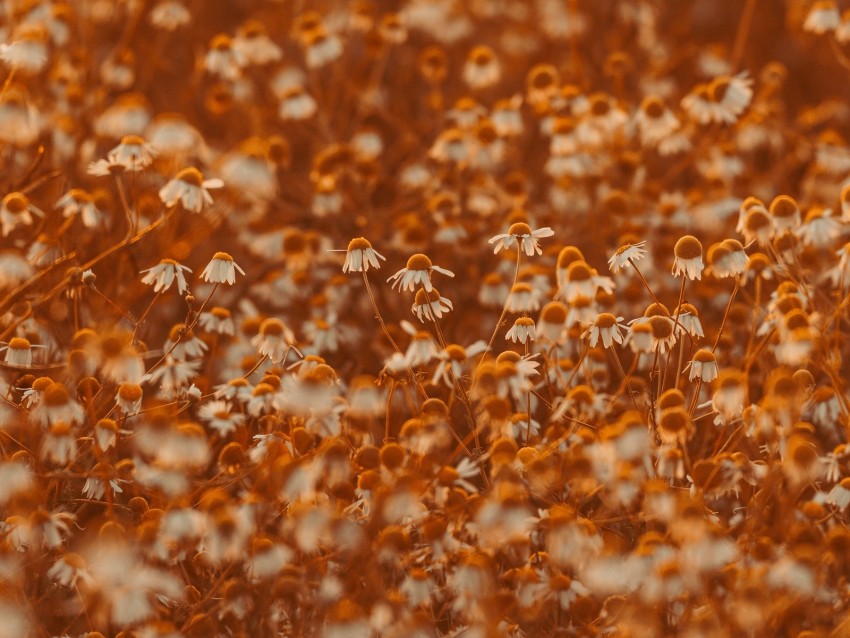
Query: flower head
[
  {"x": 164, "y": 274},
  {"x": 417, "y": 271},
  {"x": 626, "y": 254},
  {"x": 221, "y": 269},
  {"x": 360, "y": 255},
  {"x": 429, "y": 305},
  {"x": 607, "y": 327},
  {"x": 520, "y": 233},
  {"x": 190, "y": 189},
  {"x": 688, "y": 257},
  {"x": 522, "y": 331}
]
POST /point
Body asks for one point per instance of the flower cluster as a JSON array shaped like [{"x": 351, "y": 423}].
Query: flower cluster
[{"x": 424, "y": 318}]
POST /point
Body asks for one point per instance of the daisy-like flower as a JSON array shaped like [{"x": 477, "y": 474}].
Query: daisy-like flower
[
  {"x": 689, "y": 320},
  {"x": 133, "y": 153},
  {"x": 625, "y": 254},
  {"x": 822, "y": 17},
  {"x": 552, "y": 323},
  {"x": 820, "y": 228},
  {"x": 223, "y": 59},
  {"x": 688, "y": 258},
  {"x": 722, "y": 101},
  {"x": 786, "y": 213},
  {"x": 429, "y": 305},
  {"x": 417, "y": 271},
  {"x": 164, "y": 274},
  {"x": 360, "y": 255},
  {"x": 482, "y": 68},
  {"x": 80, "y": 202},
  {"x": 607, "y": 327},
  {"x": 221, "y": 269},
  {"x": 56, "y": 405},
  {"x": 422, "y": 348},
  {"x": 218, "y": 320},
  {"x": 190, "y": 189},
  {"x": 581, "y": 280},
  {"x": 169, "y": 15},
  {"x": 520, "y": 233},
  {"x": 703, "y": 366},
  {"x": 16, "y": 210},
  {"x": 452, "y": 359},
  {"x": 129, "y": 398},
  {"x": 655, "y": 122},
  {"x": 184, "y": 345},
  {"x": 274, "y": 340},
  {"x": 522, "y": 331},
  {"x": 18, "y": 352},
  {"x": 663, "y": 333},
  {"x": 172, "y": 375},
  {"x": 28, "y": 50},
  {"x": 220, "y": 417},
  {"x": 727, "y": 258}
]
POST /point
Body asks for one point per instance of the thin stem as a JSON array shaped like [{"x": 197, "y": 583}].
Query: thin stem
[
  {"x": 695, "y": 398},
  {"x": 131, "y": 224},
  {"x": 186, "y": 329},
  {"x": 378, "y": 314},
  {"x": 725, "y": 316},
  {"x": 625, "y": 376},
  {"x": 527, "y": 405},
  {"x": 114, "y": 305},
  {"x": 503, "y": 313},
  {"x": 387, "y": 417},
  {"x": 743, "y": 33},
  {"x": 144, "y": 316},
  {"x": 460, "y": 391},
  {"x": 645, "y": 282},
  {"x": 675, "y": 326},
  {"x": 256, "y": 366}
]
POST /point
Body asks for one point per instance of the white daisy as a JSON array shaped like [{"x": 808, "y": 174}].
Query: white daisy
[
  {"x": 164, "y": 274},
  {"x": 625, "y": 254},
  {"x": 360, "y": 255},
  {"x": 221, "y": 269},
  {"x": 520, "y": 233},
  {"x": 190, "y": 189},
  {"x": 417, "y": 271}
]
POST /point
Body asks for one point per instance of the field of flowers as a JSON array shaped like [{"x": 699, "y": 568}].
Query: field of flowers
[{"x": 420, "y": 318}]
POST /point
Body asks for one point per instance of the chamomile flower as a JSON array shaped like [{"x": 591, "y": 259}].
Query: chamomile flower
[
  {"x": 521, "y": 234},
  {"x": 822, "y": 17},
  {"x": 129, "y": 398},
  {"x": 727, "y": 258},
  {"x": 688, "y": 258},
  {"x": 133, "y": 153},
  {"x": 360, "y": 256},
  {"x": 219, "y": 416},
  {"x": 607, "y": 327},
  {"x": 221, "y": 269},
  {"x": 522, "y": 331},
  {"x": 626, "y": 254},
  {"x": 80, "y": 202},
  {"x": 217, "y": 320},
  {"x": 190, "y": 189},
  {"x": 274, "y": 340},
  {"x": 16, "y": 210},
  {"x": 18, "y": 352},
  {"x": 417, "y": 272},
  {"x": 27, "y": 51},
  {"x": 429, "y": 305},
  {"x": 703, "y": 366},
  {"x": 165, "y": 273}
]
